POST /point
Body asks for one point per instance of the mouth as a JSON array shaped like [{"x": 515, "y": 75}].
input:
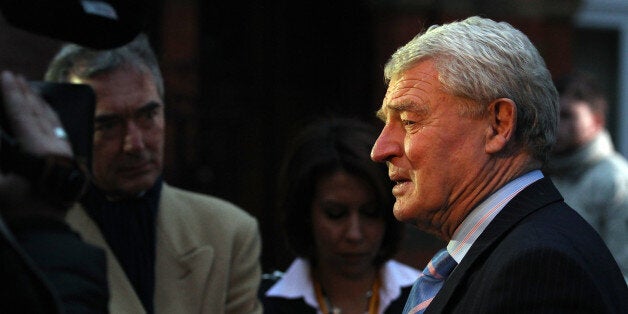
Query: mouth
[
  {"x": 399, "y": 180},
  {"x": 402, "y": 183},
  {"x": 135, "y": 168}
]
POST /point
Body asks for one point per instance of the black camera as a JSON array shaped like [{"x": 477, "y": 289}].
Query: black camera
[
  {"x": 98, "y": 24},
  {"x": 74, "y": 104},
  {"x": 58, "y": 179}
]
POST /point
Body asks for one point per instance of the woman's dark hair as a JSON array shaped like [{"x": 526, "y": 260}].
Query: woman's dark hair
[{"x": 320, "y": 149}]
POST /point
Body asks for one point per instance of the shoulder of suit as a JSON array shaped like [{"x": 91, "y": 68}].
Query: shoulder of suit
[
  {"x": 204, "y": 202},
  {"x": 76, "y": 214}
]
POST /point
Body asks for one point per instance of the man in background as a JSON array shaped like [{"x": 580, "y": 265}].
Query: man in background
[
  {"x": 584, "y": 165},
  {"x": 168, "y": 250}
]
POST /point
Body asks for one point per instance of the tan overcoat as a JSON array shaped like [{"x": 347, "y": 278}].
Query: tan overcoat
[{"x": 207, "y": 257}]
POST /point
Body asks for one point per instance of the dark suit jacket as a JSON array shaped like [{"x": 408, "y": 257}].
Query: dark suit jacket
[
  {"x": 25, "y": 288},
  {"x": 537, "y": 256},
  {"x": 47, "y": 268}
]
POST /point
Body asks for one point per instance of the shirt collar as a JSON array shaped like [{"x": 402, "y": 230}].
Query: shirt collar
[
  {"x": 296, "y": 282},
  {"x": 479, "y": 218}
]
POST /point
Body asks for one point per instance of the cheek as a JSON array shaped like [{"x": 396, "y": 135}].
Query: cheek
[
  {"x": 425, "y": 157},
  {"x": 376, "y": 230},
  {"x": 324, "y": 239},
  {"x": 329, "y": 234},
  {"x": 156, "y": 147},
  {"x": 320, "y": 228},
  {"x": 413, "y": 150},
  {"x": 154, "y": 139},
  {"x": 102, "y": 167},
  {"x": 419, "y": 147},
  {"x": 585, "y": 124},
  {"x": 104, "y": 152}
]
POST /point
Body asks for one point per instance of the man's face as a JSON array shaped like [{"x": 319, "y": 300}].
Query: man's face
[
  {"x": 434, "y": 155},
  {"x": 577, "y": 127},
  {"x": 128, "y": 132}
]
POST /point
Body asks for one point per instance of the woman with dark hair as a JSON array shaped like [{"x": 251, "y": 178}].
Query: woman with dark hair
[{"x": 337, "y": 218}]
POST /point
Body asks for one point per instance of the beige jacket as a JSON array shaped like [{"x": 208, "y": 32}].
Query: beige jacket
[{"x": 207, "y": 257}]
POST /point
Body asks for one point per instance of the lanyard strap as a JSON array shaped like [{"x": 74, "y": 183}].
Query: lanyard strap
[{"x": 325, "y": 305}]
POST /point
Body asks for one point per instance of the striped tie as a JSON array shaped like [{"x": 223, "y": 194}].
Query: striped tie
[{"x": 429, "y": 282}]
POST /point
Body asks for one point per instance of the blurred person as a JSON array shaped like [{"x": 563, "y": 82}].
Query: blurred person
[
  {"x": 44, "y": 265},
  {"x": 470, "y": 116},
  {"x": 338, "y": 221},
  {"x": 169, "y": 250},
  {"x": 588, "y": 172}
]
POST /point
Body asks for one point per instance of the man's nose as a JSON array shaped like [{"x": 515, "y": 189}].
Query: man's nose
[
  {"x": 387, "y": 145},
  {"x": 133, "y": 139}
]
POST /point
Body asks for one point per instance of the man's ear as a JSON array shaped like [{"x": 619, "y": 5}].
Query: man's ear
[{"x": 502, "y": 115}]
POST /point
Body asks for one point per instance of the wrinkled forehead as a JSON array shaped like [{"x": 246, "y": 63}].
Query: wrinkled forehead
[
  {"x": 412, "y": 85},
  {"x": 420, "y": 78}
]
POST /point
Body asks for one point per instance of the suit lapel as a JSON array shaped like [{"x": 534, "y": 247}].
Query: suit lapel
[
  {"x": 183, "y": 261},
  {"x": 182, "y": 265},
  {"x": 532, "y": 198},
  {"x": 123, "y": 298}
]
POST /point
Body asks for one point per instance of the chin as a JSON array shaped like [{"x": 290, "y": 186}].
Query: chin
[
  {"x": 402, "y": 214},
  {"x": 138, "y": 186},
  {"x": 357, "y": 271}
]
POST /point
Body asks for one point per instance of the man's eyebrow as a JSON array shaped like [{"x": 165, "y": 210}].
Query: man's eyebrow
[
  {"x": 148, "y": 107},
  {"x": 380, "y": 114},
  {"x": 411, "y": 106},
  {"x": 104, "y": 118}
]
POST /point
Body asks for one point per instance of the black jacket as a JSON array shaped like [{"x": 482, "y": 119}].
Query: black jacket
[
  {"x": 537, "y": 256},
  {"x": 46, "y": 268}
]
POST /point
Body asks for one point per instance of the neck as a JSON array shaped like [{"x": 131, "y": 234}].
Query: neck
[
  {"x": 491, "y": 177},
  {"x": 117, "y": 197},
  {"x": 348, "y": 293}
]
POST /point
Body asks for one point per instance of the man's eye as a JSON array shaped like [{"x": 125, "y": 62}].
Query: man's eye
[
  {"x": 106, "y": 125},
  {"x": 148, "y": 115},
  {"x": 408, "y": 122},
  {"x": 146, "y": 119}
]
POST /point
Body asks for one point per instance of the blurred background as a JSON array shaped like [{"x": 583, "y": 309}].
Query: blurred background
[{"x": 242, "y": 76}]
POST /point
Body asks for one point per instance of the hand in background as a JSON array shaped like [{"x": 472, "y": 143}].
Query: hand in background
[
  {"x": 38, "y": 132},
  {"x": 35, "y": 124}
]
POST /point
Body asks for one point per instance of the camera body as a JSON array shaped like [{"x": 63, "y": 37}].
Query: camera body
[
  {"x": 57, "y": 179},
  {"x": 73, "y": 103}
]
